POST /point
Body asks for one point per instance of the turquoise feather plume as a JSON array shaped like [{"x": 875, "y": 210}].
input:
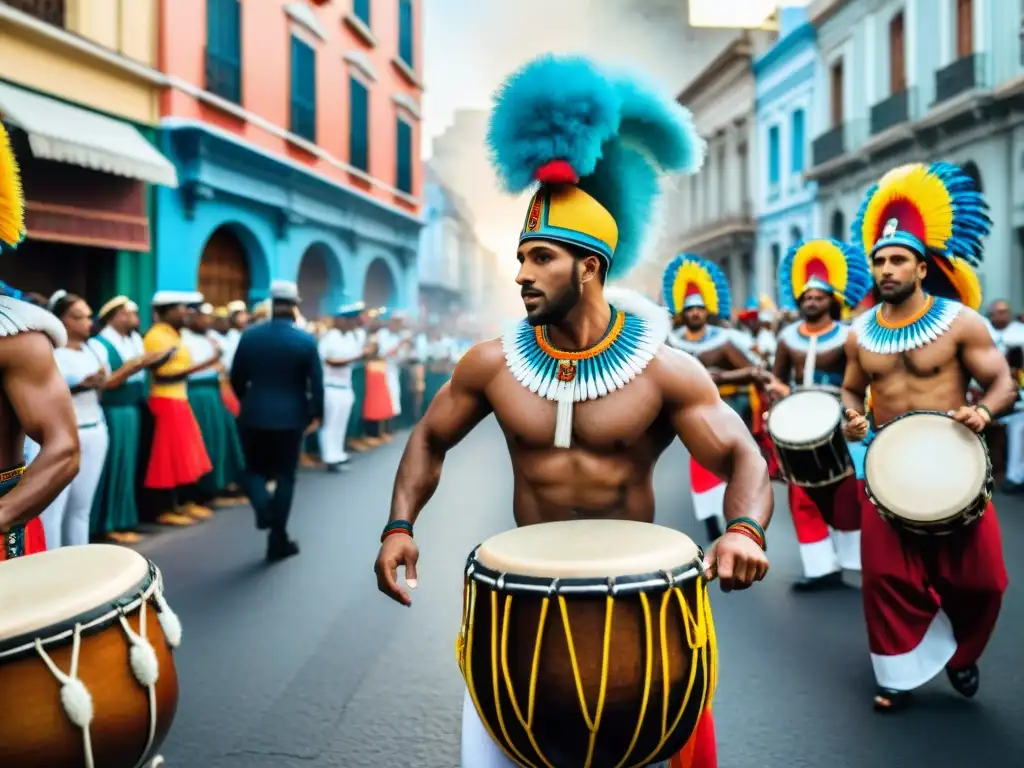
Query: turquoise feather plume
[{"x": 616, "y": 132}]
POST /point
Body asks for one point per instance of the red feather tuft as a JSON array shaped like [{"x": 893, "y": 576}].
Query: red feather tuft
[{"x": 556, "y": 172}]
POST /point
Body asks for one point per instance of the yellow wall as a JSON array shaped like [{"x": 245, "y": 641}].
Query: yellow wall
[
  {"x": 53, "y": 66},
  {"x": 125, "y": 26}
]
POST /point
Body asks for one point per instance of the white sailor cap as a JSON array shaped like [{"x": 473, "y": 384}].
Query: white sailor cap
[
  {"x": 350, "y": 310},
  {"x": 173, "y": 298},
  {"x": 694, "y": 300},
  {"x": 284, "y": 290},
  {"x": 236, "y": 306}
]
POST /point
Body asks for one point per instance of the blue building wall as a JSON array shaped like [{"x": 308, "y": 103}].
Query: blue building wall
[
  {"x": 280, "y": 211},
  {"x": 785, "y": 202}
]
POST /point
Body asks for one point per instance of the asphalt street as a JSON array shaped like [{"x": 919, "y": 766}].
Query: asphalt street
[{"x": 305, "y": 664}]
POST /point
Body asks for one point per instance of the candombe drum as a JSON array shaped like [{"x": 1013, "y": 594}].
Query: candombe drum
[
  {"x": 928, "y": 474},
  {"x": 807, "y": 430},
  {"x": 87, "y": 676},
  {"x": 588, "y": 642}
]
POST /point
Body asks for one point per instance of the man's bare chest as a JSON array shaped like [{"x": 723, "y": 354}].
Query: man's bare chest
[
  {"x": 923, "y": 362},
  {"x": 828, "y": 360},
  {"x": 613, "y": 422}
]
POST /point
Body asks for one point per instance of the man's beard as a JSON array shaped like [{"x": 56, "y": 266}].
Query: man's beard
[
  {"x": 897, "y": 295},
  {"x": 695, "y": 324},
  {"x": 814, "y": 315},
  {"x": 552, "y": 311}
]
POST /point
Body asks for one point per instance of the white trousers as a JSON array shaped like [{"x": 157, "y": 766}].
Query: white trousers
[
  {"x": 66, "y": 520},
  {"x": 1014, "y": 448},
  {"x": 395, "y": 388},
  {"x": 479, "y": 749},
  {"x": 338, "y": 402}
]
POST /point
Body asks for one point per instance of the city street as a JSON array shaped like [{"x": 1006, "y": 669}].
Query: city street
[{"x": 305, "y": 664}]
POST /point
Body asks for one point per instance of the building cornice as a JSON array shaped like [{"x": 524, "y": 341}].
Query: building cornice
[
  {"x": 740, "y": 49},
  {"x": 821, "y": 11}
]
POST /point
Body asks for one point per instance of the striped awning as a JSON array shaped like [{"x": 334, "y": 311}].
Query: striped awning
[{"x": 68, "y": 134}]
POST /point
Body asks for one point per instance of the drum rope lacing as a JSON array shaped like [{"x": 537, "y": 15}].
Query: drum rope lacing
[
  {"x": 698, "y": 627},
  {"x": 75, "y": 697}
]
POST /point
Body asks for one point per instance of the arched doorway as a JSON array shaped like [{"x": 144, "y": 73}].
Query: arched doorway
[
  {"x": 971, "y": 169},
  {"x": 380, "y": 289},
  {"x": 320, "y": 282},
  {"x": 837, "y": 229},
  {"x": 224, "y": 268}
]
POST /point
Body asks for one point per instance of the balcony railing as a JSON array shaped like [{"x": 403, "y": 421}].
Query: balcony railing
[
  {"x": 891, "y": 112},
  {"x": 223, "y": 77},
  {"x": 51, "y": 11},
  {"x": 959, "y": 77},
  {"x": 829, "y": 145}
]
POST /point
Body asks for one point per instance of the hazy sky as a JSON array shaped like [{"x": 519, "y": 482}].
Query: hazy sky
[{"x": 470, "y": 45}]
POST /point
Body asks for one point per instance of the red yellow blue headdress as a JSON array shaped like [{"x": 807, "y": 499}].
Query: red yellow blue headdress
[
  {"x": 937, "y": 213},
  {"x": 12, "y": 202},
  {"x": 839, "y": 269},
  {"x": 690, "y": 281},
  {"x": 596, "y": 143}
]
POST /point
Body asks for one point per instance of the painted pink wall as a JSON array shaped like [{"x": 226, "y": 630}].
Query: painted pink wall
[{"x": 266, "y": 36}]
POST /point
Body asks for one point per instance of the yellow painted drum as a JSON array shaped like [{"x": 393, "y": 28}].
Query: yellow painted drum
[{"x": 588, "y": 643}]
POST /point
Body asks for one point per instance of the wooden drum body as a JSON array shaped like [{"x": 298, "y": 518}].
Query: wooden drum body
[
  {"x": 928, "y": 474},
  {"x": 87, "y": 677},
  {"x": 588, "y": 643},
  {"x": 807, "y": 430}
]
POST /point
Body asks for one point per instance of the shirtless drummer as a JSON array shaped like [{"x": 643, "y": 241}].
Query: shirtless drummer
[
  {"x": 34, "y": 399},
  {"x": 697, "y": 292},
  {"x": 929, "y": 603},
  {"x": 820, "y": 278},
  {"x": 564, "y": 123}
]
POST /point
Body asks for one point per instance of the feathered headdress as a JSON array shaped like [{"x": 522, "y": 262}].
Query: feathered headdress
[
  {"x": 837, "y": 268},
  {"x": 936, "y": 212},
  {"x": 597, "y": 143},
  {"x": 12, "y": 201},
  {"x": 690, "y": 281}
]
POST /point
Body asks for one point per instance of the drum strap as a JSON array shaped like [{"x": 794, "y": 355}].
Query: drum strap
[{"x": 810, "y": 361}]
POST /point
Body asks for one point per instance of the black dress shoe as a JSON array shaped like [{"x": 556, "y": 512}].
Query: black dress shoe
[
  {"x": 281, "y": 549},
  {"x": 966, "y": 681},
  {"x": 832, "y": 580}
]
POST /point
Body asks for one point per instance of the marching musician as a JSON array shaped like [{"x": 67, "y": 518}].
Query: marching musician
[
  {"x": 930, "y": 602},
  {"x": 696, "y": 292},
  {"x": 819, "y": 278},
  {"x": 340, "y": 349},
  {"x": 600, "y": 464}
]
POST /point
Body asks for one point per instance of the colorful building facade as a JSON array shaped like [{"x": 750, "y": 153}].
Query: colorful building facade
[
  {"x": 80, "y": 94},
  {"x": 295, "y": 131},
  {"x": 784, "y": 79}
]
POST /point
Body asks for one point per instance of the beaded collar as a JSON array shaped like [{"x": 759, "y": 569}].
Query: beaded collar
[
  {"x": 713, "y": 338},
  {"x": 880, "y": 337},
  {"x": 797, "y": 338},
  {"x": 567, "y": 377}
]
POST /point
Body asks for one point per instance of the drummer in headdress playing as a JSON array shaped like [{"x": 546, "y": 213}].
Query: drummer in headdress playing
[
  {"x": 586, "y": 392},
  {"x": 34, "y": 398},
  {"x": 697, "y": 292},
  {"x": 930, "y": 602},
  {"x": 821, "y": 279}
]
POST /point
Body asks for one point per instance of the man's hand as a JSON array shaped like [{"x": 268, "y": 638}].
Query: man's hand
[
  {"x": 156, "y": 359},
  {"x": 971, "y": 417},
  {"x": 94, "y": 380},
  {"x": 312, "y": 427},
  {"x": 397, "y": 550},
  {"x": 856, "y": 428},
  {"x": 736, "y": 561}
]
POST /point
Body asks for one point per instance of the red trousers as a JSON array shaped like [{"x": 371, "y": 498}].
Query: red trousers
[
  {"x": 701, "y": 750},
  {"x": 829, "y": 541},
  {"x": 34, "y": 541},
  {"x": 929, "y": 601}
]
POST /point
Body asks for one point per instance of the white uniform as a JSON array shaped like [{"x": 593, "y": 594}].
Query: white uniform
[
  {"x": 338, "y": 395},
  {"x": 201, "y": 349},
  {"x": 388, "y": 343},
  {"x": 66, "y": 520}
]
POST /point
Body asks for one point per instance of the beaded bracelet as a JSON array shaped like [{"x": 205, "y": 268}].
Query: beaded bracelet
[
  {"x": 396, "y": 526},
  {"x": 750, "y": 528}
]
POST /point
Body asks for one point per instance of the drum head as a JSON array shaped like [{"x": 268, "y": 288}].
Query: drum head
[
  {"x": 587, "y": 549},
  {"x": 925, "y": 467},
  {"x": 804, "y": 417},
  {"x": 42, "y": 590}
]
